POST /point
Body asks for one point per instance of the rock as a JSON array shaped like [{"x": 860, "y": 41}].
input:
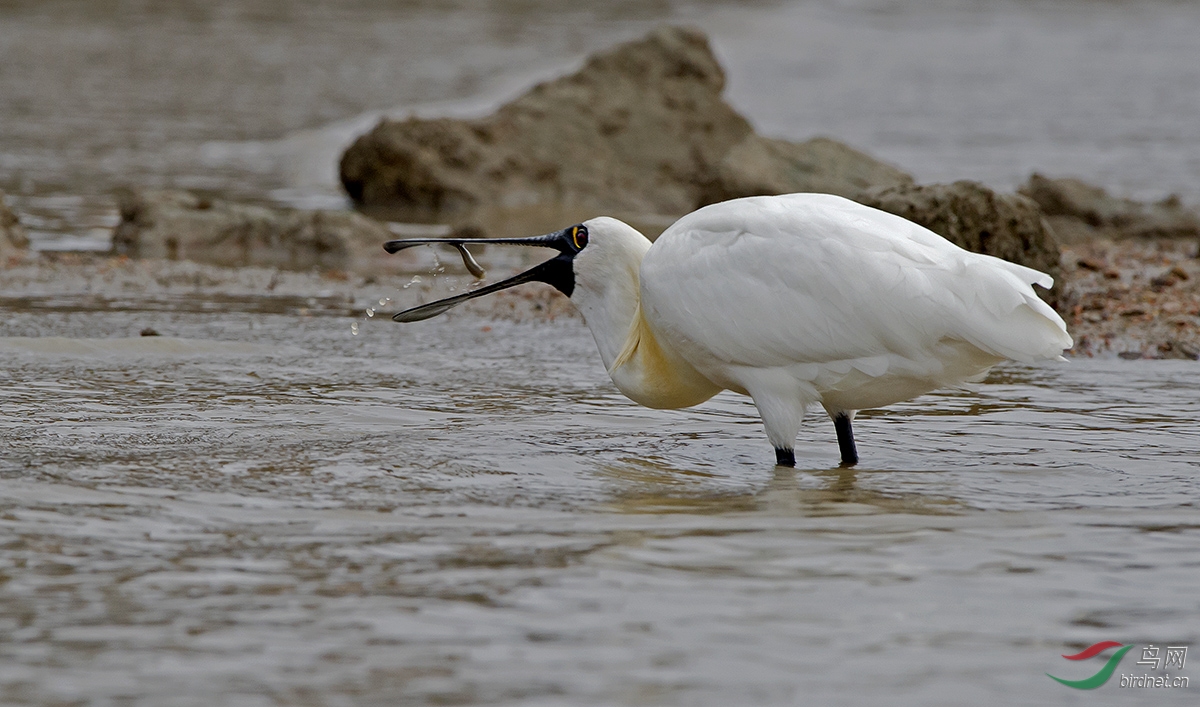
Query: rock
[
  {"x": 1179, "y": 350},
  {"x": 641, "y": 129},
  {"x": 759, "y": 165},
  {"x": 1079, "y": 212},
  {"x": 179, "y": 225},
  {"x": 974, "y": 217},
  {"x": 12, "y": 235},
  {"x": 638, "y": 129}
]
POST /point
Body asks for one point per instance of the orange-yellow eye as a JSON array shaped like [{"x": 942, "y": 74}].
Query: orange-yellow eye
[{"x": 579, "y": 235}]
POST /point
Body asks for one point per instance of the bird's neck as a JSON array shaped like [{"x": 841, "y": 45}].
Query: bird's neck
[{"x": 643, "y": 366}]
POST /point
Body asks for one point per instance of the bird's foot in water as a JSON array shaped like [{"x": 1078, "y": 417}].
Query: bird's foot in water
[
  {"x": 845, "y": 435},
  {"x": 785, "y": 457}
]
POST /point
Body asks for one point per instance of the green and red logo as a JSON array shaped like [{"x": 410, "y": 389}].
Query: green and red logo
[{"x": 1104, "y": 673}]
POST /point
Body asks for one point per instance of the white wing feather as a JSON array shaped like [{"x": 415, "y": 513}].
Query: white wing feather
[{"x": 815, "y": 278}]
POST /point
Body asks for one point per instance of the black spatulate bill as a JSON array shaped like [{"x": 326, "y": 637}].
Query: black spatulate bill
[{"x": 558, "y": 271}]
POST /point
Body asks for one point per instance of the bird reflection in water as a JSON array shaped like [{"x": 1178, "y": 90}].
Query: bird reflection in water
[{"x": 647, "y": 487}]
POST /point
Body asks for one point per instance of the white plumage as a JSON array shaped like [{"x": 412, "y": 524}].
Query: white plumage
[{"x": 797, "y": 300}]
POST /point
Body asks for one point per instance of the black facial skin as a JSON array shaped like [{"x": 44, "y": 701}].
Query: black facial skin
[{"x": 559, "y": 272}]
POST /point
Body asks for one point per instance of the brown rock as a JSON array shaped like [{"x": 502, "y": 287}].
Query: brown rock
[
  {"x": 641, "y": 129},
  {"x": 12, "y": 235},
  {"x": 1179, "y": 349},
  {"x": 1078, "y": 212},
  {"x": 974, "y": 217},
  {"x": 179, "y": 225},
  {"x": 759, "y": 165}
]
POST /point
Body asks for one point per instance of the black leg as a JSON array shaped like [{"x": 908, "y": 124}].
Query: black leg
[
  {"x": 841, "y": 423},
  {"x": 784, "y": 457}
]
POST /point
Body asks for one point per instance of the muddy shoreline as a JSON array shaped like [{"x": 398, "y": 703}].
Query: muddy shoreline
[
  {"x": 99, "y": 282},
  {"x": 1127, "y": 299},
  {"x": 1133, "y": 299}
]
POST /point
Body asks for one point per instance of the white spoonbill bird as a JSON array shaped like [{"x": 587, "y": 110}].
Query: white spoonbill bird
[{"x": 793, "y": 300}]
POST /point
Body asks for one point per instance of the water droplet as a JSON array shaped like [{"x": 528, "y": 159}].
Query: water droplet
[
  {"x": 370, "y": 312},
  {"x": 354, "y": 328}
]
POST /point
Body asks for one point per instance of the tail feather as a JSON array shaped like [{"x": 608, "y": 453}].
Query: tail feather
[{"x": 1030, "y": 330}]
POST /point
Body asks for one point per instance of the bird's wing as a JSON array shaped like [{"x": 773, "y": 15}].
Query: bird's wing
[{"x": 813, "y": 278}]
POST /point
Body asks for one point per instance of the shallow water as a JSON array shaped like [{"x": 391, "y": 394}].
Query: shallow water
[{"x": 262, "y": 508}]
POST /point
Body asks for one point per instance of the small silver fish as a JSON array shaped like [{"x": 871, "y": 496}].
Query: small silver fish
[{"x": 470, "y": 262}]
